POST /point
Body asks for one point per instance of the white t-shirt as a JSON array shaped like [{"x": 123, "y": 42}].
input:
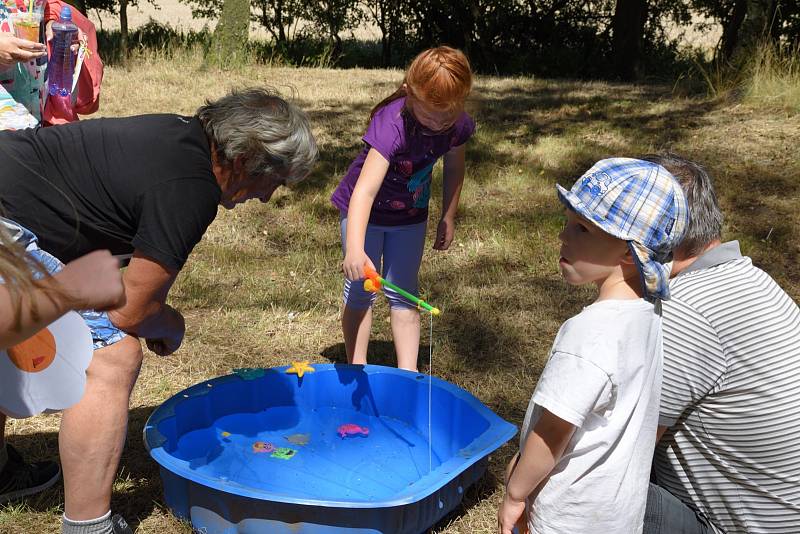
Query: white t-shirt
[{"x": 604, "y": 377}]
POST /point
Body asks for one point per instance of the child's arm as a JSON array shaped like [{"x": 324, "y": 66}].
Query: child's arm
[
  {"x": 543, "y": 449},
  {"x": 89, "y": 282},
  {"x": 369, "y": 182},
  {"x": 453, "y": 181}
]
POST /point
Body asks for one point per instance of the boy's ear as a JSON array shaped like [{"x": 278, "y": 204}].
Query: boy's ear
[{"x": 627, "y": 258}]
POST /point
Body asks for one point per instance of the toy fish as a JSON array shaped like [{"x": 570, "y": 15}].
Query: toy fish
[
  {"x": 249, "y": 373},
  {"x": 350, "y": 429},
  {"x": 283, "y": 453},
  {"x": 263, "y": 446},
  {"x": 299, "y": 439}
]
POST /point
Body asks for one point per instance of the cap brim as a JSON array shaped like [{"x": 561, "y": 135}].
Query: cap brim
[{"x": 571, "y": 200}]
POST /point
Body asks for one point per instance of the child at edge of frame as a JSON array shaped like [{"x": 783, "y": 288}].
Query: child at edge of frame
[{"x": 588, "y": 436}]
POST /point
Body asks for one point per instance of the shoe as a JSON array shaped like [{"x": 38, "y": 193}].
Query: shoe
[
  {"x": 119, "y": 525},
  {"x": 19, "y": 478}
]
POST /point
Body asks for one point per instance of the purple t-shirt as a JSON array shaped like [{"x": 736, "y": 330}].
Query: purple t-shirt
[{"x": 411, "y": 152}]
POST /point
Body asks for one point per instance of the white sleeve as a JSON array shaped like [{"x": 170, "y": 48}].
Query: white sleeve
[
  {"x": 572, "y": 387},
  {"x": 694, "y": 363}
]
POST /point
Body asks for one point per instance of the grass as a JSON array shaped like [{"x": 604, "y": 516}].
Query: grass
[
  {"x": 263, "y": 287},
  {"x": 774, "y": 78}
]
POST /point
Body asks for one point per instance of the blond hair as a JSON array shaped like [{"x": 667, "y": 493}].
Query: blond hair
[{"x": 18, "y": 274}]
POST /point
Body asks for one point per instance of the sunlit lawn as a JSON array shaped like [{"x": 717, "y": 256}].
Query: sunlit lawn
[{"x": 263, "y": 287}]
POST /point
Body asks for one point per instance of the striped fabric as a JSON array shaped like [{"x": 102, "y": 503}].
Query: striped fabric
[{"x": 731, "y": 396}]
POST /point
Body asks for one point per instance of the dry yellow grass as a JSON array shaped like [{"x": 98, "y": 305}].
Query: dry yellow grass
[{"x": 263, "y": 286}]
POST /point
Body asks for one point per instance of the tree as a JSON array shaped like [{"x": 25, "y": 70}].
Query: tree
[
  {"x": 627, "y": 29},
  {"x": 746, "y": 23},
  {"x": 387, "y": 15},
  {"x": 230, "y": 35},
  {"x": 118, "y": 7},
  {"x": 331, "y": 17},
  {"x": 277, "y": 17}
]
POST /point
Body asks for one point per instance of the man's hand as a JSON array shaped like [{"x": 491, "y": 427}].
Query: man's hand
[
  {"x": 93, "y": 282},
  {"x": 174, "y": 322},
  {"x": 163, "y": 346},
  {"x": 14, "y": 50}
]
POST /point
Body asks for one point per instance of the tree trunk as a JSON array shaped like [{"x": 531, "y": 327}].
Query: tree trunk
[
  {"x": 81, "y": 6},
  {"x": 123, "y": 31},
  {"x": 730, "y": 32},
  {"x": 382, "y": 21},
  {"x": 628, "y": 30},
  {"x": 230, "y": 35},
  {"x": 279, "y": 21},
  {"x": 754, "y": 27}
]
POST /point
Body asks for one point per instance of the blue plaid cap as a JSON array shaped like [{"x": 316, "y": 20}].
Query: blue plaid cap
[{"x": 639, "y": 202}]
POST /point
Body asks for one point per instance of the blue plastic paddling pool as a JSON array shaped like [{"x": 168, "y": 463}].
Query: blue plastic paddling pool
[{"x": 344, "y": 449}]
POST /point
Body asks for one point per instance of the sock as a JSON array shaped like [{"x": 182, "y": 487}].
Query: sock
[
  {"x": 101, "y": 525},
  {"x": 3, "y": 457}
]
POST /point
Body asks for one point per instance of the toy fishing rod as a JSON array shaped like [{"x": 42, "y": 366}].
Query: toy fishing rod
[{"x": 375, "y": 282}]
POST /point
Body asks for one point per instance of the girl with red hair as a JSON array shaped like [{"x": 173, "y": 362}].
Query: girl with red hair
[{"x": 383, "y": 198}]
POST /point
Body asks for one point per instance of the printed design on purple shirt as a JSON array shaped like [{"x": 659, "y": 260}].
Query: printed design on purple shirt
[
  {"x": 404, "y": 167},
  {"x": 420, "y": 186}
]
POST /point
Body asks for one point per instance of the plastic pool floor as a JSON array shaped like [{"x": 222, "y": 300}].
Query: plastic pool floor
[{"x": 214, "y": 443}]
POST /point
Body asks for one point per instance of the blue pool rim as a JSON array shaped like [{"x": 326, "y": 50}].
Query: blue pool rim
[{"x": 498, "y": 433}]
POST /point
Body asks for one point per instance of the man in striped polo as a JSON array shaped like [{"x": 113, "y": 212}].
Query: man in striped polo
[{"x": 727, "y": 457}]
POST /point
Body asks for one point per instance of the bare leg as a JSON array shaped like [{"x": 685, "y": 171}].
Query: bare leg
[
  {"x": 356, "y": 326},
  {"x": 405, "y": 331},
  {"x": 93, "y": 431}
]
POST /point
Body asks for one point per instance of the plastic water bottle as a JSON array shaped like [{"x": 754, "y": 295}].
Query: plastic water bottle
[{"x": 62, "y": 64}]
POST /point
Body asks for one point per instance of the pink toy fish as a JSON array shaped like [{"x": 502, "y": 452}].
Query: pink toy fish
[{"x": 349, "y": 429}]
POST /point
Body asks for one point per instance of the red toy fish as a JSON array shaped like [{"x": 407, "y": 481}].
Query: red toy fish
[{"x": 349, "y": 429}]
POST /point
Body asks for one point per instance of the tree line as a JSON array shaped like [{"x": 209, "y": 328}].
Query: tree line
[{"x": 622, "y": 39}]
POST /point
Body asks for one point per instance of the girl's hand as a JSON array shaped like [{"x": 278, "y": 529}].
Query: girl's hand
[
  {"x": 511, "y": 514},
  {"x": 14, "y": 50},
  {"x": 444, "y": 233},
  {"x": 353, "y": 265}
]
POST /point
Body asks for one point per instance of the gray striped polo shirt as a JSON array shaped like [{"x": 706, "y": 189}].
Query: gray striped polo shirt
[{"x": 731, "y": 395}]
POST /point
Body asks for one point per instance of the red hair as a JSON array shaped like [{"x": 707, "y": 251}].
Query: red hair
[{"x": 441, "y": 77}]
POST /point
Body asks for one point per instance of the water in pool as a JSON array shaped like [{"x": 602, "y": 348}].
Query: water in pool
[{"x": 380, "y": 457}]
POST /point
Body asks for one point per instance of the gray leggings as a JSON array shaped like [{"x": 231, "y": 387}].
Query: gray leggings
[
  {"x": 666, "y": 514},
  {"x": 400, "y": 248}
]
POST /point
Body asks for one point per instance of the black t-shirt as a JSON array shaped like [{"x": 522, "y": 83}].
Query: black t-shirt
[{"x": 142, "y": 182}]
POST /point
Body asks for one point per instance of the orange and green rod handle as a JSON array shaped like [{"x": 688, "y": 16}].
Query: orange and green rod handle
[{"x": 374, "y": 282}]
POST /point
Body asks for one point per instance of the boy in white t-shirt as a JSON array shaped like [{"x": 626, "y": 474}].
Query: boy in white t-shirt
[{"x": 588, "y": 436}]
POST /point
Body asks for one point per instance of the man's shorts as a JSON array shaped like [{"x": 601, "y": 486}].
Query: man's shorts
[{"x": 104, "y": 333}]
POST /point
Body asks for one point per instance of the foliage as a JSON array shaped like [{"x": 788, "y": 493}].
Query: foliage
[{"x": 554, "y": 38}]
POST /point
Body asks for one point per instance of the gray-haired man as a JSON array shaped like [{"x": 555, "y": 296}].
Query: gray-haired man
[
  {"x": 726, "y": 460},
  {"x": 146, "y": 188}
]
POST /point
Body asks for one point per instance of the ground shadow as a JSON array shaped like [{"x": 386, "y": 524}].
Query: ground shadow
[
  {"x": 137, "y": 480},
  {"x": 380, "y": 352}
]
